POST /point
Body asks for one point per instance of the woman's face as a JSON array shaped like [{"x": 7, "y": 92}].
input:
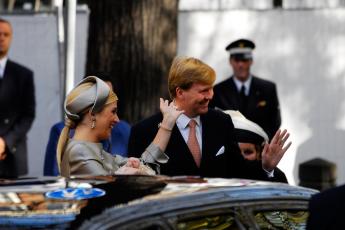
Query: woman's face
[
  {"x": 248, "y": 151},
  {"x": 106, "y": 120}
]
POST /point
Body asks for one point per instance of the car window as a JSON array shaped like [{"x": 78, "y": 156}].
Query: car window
[
  {"x": 147, "y": 223},
  {"x": 282, "y": 219},
  {"x": 214, "y": 218},
  {"x": 258, "y": 214},
  {"x": 153, "y": 226},
  {"x": 209, "y": 222}
]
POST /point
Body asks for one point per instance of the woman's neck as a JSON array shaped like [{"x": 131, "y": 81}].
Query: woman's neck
[{"x": 85, "y": 133}]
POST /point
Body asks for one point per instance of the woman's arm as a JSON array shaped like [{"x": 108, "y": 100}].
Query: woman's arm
[
  {"x": 155, "y": 151},
  {"x": 170, "y": 115}
]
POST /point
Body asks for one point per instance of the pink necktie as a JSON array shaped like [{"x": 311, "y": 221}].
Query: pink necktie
[{"x": 193, "y": 144}]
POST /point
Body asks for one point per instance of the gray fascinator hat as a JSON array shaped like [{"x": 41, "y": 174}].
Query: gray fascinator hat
[{"x": 91, "y": 92}]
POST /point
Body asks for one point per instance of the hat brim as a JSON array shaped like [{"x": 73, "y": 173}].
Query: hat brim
[
  {"x": 243, "y": 56},
  {"x": 245, "y": 136}
]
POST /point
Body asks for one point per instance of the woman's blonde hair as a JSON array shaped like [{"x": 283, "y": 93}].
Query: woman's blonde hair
[
  {"x": 90, "y": 95},
  {"x": 185, "y": 71}
]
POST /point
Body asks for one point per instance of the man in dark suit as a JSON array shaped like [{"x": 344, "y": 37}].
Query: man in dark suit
[
  {"x": 17, "y": 108},
  {"x": 202, "y": 142},
  {"x": 255, "y": 98},
  {"x": 327, "y": 210}
]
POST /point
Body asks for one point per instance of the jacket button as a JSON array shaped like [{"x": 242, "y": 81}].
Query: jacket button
[{"x": 6, "y": 121}]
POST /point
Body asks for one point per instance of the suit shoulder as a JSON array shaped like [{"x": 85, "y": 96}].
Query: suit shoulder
[
  {"x": 219, "y": 121},
  {"x": 218, "y": 115},
  {"x": 75, "y": 148},
  {"x": 149, "y": 122},
  {"x": 79, "y": 151},
  {"x": 263, "y": 82},
  {"x": 335, "y": 194},
  {"x": 223, "y": 84},
  {"x": 19, "y": 67}
]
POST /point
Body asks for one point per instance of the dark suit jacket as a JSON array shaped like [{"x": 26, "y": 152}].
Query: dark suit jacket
[
  {"x": 327, "y": 210},
  {"x": 262, "y": 103},
  {"x": 17, "y": 112},
  {"x": 279, "y": 176},
  {"x": 217, "y": 131}
]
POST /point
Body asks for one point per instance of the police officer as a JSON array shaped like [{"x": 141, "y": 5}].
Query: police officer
[{"x": 256, "y": 98}]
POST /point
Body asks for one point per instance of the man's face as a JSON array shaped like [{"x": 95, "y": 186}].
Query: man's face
[
  {"x": 5, "y": 38},
  {"x": 241, "y": 68},
  {"x": 194, "y": 101}
]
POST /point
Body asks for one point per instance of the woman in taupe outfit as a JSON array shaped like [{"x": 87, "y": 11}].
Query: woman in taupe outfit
[{"x": 91, "y": 108}]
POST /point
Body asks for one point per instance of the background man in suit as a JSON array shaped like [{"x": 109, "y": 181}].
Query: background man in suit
[
  {"x": 17, "y": 108},
  {"x": 202, "y": 141},
  {"x": 255, "y": 98},
  {"x": 327, "y": 210}
]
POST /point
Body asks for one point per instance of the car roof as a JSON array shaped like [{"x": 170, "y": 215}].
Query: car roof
[{"x": 234, "y": 188}]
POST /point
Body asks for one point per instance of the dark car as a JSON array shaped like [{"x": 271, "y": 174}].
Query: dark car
[
  {"x": 194, "y": 203},
  {"x": 158, "y": 202}
]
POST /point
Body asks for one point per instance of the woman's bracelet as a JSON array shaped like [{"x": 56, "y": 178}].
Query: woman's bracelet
[{"x": 163, "y": 127}]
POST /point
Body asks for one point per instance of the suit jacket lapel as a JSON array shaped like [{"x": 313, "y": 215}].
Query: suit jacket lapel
[
  {"x": 230, "y": 96},
  {"x": 8, "y": 82},
  {"x": 207, "y": 135},
  {"x": 180, "y": 148},
  {"x": 234, "y": 93},
  {"x": 8, "y": 69},
  {"x": 254, "y": 93}
]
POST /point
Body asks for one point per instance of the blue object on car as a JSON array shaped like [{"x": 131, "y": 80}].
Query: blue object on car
[{"x": 75, "y": 193}]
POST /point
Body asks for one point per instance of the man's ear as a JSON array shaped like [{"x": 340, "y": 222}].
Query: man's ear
[{"x": 179, "y": 92}]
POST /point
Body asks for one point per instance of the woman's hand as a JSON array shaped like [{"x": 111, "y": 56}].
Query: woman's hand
[
  {"x": 274, "y": 152},
  {"x": 170, "y": 113},
  {"x": 2, "y": 149},
  {"x": 132, "y": 167},
  {"x": 133, "y": 162}
]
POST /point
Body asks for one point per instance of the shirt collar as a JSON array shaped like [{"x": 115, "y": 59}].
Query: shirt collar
[
  {"x": 3, "y": 62},
  {"x": 239, "y": 84},
  {"x": 183, "y": 121}
]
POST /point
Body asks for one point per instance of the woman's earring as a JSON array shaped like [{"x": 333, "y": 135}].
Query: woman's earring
[{"x": 93, "y": 123}]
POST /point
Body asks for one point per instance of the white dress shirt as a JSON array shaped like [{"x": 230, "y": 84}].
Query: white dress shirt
[
  {"x": 182, "y": 124},
  {"x": 2, "y": 66},
  {"x": 246, "y": 84}
]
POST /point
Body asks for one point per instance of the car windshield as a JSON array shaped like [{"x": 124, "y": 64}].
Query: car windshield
[{"x": 274, "y": 219}]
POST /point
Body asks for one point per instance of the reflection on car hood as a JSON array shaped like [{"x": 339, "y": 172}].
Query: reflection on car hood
[{"x": 238, "y": 189}]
